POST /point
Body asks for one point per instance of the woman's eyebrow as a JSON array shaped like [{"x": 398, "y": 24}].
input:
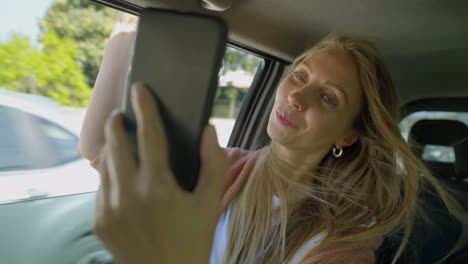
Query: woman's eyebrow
[
  {"x": 330, "y": 83},
  {"x": 339, "y": 88}
]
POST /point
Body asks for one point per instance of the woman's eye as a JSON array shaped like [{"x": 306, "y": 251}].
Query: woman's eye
[
  {"x": 328, "y": 99},
  {"x": 299, "y": 76}
]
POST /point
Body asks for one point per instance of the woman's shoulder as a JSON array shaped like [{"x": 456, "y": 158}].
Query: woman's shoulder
[{"x": 242, "y": 163}]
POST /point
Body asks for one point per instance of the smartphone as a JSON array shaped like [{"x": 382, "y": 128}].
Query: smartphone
[{"x": 178, "y": 55}]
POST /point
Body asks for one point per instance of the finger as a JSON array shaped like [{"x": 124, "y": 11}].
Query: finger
[
  {"x": 105, "y": 184},
  {"x": 98, "y": 162},
  {"x": 214, "y": 164},
  {"x": 102, "y": 195},
  {"x": 121, "y": 162},
  {"x": 152, "y": 141},
  {"x": 99, "y": 211},
  {"x": 112, "y": 187}
]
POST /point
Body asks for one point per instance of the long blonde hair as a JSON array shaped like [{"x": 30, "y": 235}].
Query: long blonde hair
[{"x": 370, "y": 191}]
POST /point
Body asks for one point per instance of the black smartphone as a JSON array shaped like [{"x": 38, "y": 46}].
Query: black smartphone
[{"x": 178, "y": 55}]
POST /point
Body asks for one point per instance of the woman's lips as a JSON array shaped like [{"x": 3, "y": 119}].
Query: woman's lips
[{"x": 284, "y": 120}]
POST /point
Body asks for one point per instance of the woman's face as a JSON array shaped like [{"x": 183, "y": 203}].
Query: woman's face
[{"x": 316, "y": 104}]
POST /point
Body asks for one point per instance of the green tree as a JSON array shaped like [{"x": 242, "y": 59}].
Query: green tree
[
  {"x": 231, "y": 93},
  {"x": 89, "y": 26},
  {"x": 48, "y": 70},
  {"x": 17, "y": 58},
  {"x": 59, "y": 75},
  {"x": 85, "y": 23},
  {"x": 235, "y": 59}
]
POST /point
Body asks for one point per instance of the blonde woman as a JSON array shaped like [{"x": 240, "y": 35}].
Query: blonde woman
[{"x": 336, "y": 177}]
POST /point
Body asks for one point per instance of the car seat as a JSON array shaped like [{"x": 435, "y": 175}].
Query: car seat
[{"x": 430, "y": 242}]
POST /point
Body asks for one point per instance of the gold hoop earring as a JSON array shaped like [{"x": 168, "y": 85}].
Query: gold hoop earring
[{"x": 340, "y": 152}]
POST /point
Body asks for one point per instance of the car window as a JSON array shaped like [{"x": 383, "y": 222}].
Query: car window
[
  {"x": 236, "y": 76},
  {"x": 433, "y": 152},
  {"x": 47, "y": 72}
]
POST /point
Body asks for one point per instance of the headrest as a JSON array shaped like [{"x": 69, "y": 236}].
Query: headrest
[
  {"x": 461, "y": 159},
  {"x": 444, "y": 133},
  {"x": 438, "y": 132}
]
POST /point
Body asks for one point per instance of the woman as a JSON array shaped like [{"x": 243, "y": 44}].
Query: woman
[{"x": 336, "y": 177}]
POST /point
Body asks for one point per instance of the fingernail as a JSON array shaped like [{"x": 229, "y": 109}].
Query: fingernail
[
  {"x": 134, "y": 93},
  {"x": 138, "y": 92}
]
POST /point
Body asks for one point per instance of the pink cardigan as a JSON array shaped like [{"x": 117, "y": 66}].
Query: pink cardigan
[{"x": 359, "y": 252}]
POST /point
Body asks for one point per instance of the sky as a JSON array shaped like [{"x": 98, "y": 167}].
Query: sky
[{"x": 22, "y": 16}]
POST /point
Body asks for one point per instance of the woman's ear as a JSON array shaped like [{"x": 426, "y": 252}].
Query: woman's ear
[{"x": 348, "y": 140}]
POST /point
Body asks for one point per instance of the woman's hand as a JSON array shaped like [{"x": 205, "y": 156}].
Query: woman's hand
[{"x": 142, "y": 215}]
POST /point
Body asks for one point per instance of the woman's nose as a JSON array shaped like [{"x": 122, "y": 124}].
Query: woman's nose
[{"x": 295, "y": 100}]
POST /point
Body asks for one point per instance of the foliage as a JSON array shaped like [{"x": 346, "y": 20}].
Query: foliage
[
  {"x": 231, "y": 92},
  {"x": 72, "y": 41},
  {"x": 228, "y": 93},
  {"x": 48, "y": 70},
  {"x": 17, "y": 63},
  {"x": 64, "y": 78},
  {"x": 236, "y": 59},
  {"x": 87, "y": 24}
]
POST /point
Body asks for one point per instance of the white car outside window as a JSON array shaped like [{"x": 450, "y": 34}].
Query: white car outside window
[{"x": 38, "y": 144}]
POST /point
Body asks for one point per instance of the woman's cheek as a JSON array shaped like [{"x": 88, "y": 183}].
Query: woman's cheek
[{"x": 321, "y": 122}]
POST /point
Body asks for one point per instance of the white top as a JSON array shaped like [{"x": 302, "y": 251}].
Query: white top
[{"x": 222, "y": 233}]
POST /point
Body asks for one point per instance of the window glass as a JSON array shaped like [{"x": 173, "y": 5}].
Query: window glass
[
  {"x": 63, "y": 144},
  {"x": 31, "y": 142},
  {"x": 12, "y": 156},
  {"x": 236, "y": 76},
  {"x": 438, "y": 153},
  {"x": 433, "y": 152},
  {"x": 50, "y": 54}
]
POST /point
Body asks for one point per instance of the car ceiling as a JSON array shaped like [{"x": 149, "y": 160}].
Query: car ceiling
[{"x": 424, "y": 41}]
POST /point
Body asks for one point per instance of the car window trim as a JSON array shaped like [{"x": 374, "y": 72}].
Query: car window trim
[{"x": 250, "y": 127}]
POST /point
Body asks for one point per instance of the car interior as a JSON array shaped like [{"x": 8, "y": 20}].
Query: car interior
[
  {"x": 443, "y": 133},
  {"x": 426, "y": 46}
]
